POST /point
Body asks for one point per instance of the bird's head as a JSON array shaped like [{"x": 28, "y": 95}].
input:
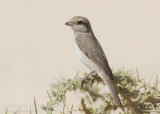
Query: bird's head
[{"x": 79, "y": 24}]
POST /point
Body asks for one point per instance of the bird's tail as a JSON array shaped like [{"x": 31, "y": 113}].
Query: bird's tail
[{"x": 113, "y": 92}]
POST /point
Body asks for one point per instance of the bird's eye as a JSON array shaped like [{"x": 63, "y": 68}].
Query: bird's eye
[{"x": 79, "y": 22}]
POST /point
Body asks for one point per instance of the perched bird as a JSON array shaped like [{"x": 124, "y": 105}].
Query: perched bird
[{"x": 91, "y": 53}]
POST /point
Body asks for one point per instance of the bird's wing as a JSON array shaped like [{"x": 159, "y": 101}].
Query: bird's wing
[{"x": 92, "y": 49}]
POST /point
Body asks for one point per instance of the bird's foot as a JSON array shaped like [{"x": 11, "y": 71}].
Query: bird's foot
[{"x": 93, "y": 76}]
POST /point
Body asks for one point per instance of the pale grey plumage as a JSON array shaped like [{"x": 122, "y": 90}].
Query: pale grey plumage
[{"x": 91, "y": 53}]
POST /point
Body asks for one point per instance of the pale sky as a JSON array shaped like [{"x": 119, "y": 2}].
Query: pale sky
[{"x": 36, "y": 46}]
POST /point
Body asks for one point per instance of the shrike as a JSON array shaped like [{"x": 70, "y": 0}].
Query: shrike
[{"x": 91, "y": 53}]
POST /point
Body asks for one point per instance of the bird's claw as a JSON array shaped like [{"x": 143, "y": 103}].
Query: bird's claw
[{"x": 92, "y": 78}]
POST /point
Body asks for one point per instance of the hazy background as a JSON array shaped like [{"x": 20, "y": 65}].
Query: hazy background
[{"x": 36, "y": 46}]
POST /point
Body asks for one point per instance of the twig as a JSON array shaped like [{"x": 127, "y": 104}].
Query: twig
[
  {"x": 67, "y": 107},
  {"x": 49, "y": 95},
  {"x": 123, "y": 69},
  {"x": 152, "y": 106},
  {"x": 71, "y": 109},
  {"x": 30, "y": 111},
  {"x": 6, "y": 111},
  {"x": 84, "y": 108},
  {"x": 64, "y": 103},
  {"x": 91, "y": 100},
  {"x": 75, "y": 77},
  {"x": 137, "y": 74},
  {"x": 35, "y": 106},
  {"x": 156, "y": 86},
  {"x": 58, "y": 87},
  {"x": 135, "y": 81}
]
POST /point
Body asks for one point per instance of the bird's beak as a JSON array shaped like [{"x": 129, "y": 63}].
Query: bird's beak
[{"x": 69, "y": 23}]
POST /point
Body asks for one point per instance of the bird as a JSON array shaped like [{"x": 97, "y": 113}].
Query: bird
[{"x": 91, "y": 53}]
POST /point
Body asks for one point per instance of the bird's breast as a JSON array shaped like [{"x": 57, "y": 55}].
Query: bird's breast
[
  {"x": 79, "y": 52},
  {"x": 88, "y": 62}
]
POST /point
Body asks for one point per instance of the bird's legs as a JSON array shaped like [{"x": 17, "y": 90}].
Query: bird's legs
[{"x": 93, "y": 76}]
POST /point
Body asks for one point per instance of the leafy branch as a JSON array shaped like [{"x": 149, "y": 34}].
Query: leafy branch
[{"x": 137, "y": 96}]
